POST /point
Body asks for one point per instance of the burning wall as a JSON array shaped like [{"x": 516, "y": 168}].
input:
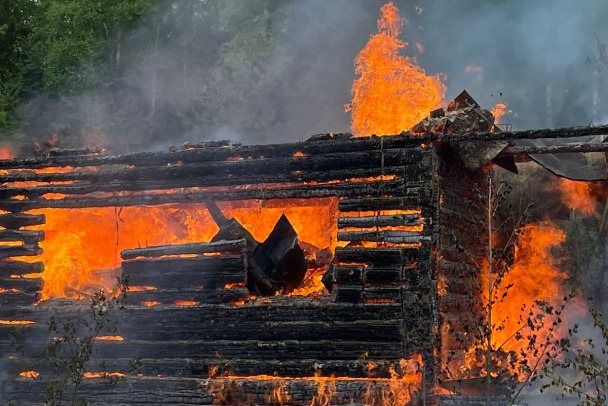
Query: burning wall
[{"x": 369, "y": 202}]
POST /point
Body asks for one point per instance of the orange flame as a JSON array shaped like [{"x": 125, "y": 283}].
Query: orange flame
[
  {"x": 29, "y": 374},
  {"x": 151, "y": 304},
  {"x": 17, "y": 322},
  {"x": 534, "y": 277},
  {"x": 577, "y": 196},
  {"x": 109, "y": 338},
  {"x": 6, "y": 153},
  {"x": 186, "y": 303},
  {"x": 392, "y": 93},
  {"x": 90, "y": 375},
  {"x": 499, "y": 110}
]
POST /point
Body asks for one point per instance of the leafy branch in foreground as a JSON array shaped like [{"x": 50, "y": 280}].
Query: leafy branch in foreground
[
  {"x": 583, "y": 372},
  {"x": 69, "y": 350}
]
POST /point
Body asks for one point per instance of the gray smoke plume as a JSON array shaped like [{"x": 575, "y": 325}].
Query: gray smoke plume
[{"x": 267, "y": 71}]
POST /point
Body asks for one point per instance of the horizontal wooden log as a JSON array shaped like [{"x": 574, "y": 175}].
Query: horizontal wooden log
[
  {"x": 20, "y": 251},
  {"x": 176, "y": 391},
  {"x": 201, "y": 368},
  {"x": 378, "y": 257},
  {"x": 205, "y": 296},
  {"x": 212, "y": 181},
  {"x": 25, "y": 285},
  {"x": 14, "y": 299},
  {"x": 396, "y": 237},
  {"x": 380, "y": 203},
  {"x": 278, "y": 350},
  {"x": 26, "y": 236},
  {"x": 415, "y": 153},
  {"x": 14, "y": 221},
  {"x": 243, "y": 168},
  {"x": 349, "y": 293},
  {"x": 393, "y": 293},
  {"x": 8, "y": 268},
  {"x": 555, "y": 149},
  {"x": 276, "y": 308},
  {"x": 404, "y": 140},
  {"x": 209, "y": 272},
  {"x": 347, "y": 189},
  {"x": 243, "y": 330},
  {"x": 380, "y": 221},
  {"x": 348, "y": 275},
  {"x": 392, "y": 275},
  {"x": 181, "y": 249}
]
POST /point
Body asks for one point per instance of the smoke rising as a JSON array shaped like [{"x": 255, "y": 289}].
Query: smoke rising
[{"x": 268, "y": 71}]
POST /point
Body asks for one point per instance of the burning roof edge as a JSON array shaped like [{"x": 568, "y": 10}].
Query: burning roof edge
[{"x": 328, "y": 143}]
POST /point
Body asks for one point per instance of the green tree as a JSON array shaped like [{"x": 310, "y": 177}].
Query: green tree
[
  {"x": 15, "y": 27},
  {"x": 73, "y": 42}
]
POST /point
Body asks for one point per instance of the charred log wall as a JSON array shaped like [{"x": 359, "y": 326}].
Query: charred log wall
[
  {"x": 381, "y": 310},
  {"x": 461, "y": 250}
]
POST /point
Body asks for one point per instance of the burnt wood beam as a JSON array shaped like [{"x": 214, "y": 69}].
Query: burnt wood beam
[
  {"x": 22, "y": 285},
  {"x": 239, "y": 367},
  {"x": 14, "y": 221},
  {"x": 175, "y": 295},
  {"x": 555, "y": 149},
  {"x": 268, "y": 166},
  {"x": 380, "y": 203},
  {"x": 182, "y": 249},
  {"x": 20, "y": 251},
  {"x": 379, "y": 257},
  {"x": 186, "y": 391},
  {"x": 256, "y": 152},
  {"x": 380, "y": 221},
  {"x": 210, "y": 272},
  {"x": 348, "y": 189},
  {"x": 25, "y": 236},
  {"x": 390, "y": 236},
  {"x": 155, "y": 184},
  {"x": 403, "y": 140},
  {"x": 20, "y": 267}
]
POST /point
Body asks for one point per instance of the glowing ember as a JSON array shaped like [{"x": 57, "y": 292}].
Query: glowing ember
[
  {"x": 392, "y": 93},
  {"x": 109, "y": 338},
  {"x": 29, "y": 374},
  {"x": 17, "y": 322},
  {"x": 577, "y": 196},
  {"x": 90, "y": 375},
  {"x": 186, "y": 303},
  {"x": 150, "y": 304},
  {"x": 140, "y": 288}
]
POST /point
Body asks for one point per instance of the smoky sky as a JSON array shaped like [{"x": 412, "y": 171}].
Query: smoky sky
[{"x": 179, "y": 80}]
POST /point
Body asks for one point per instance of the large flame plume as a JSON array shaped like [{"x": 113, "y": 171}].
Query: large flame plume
[
  {"x": 392, "y": 92},
  {"x": 534, "y": 278}
]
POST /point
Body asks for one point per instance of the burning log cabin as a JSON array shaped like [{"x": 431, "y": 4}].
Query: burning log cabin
[{"x": 208, "y": 322}]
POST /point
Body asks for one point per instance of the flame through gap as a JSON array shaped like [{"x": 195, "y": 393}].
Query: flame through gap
[
  {"x": 82, "y": 246},
  {"x": 392, "y": 93}
]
